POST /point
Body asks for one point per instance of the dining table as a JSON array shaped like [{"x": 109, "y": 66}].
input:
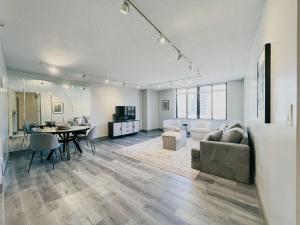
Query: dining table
[{"x": 66, "y": 136}]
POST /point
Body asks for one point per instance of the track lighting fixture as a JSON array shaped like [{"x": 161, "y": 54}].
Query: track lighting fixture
[
  {"x": 161, "y": 39},
  {"x": 125, "y": 7},
  {"x": 179, "y": 56}
]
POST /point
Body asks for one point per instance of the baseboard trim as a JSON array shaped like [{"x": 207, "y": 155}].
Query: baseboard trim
[
  {"x": 147, "y": 131},
  {"x": 261, "y": 205}
]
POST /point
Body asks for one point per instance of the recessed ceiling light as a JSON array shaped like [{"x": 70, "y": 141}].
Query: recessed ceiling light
[
  {"x": 125, "y": 7},
  {"x": 106, "y": 81},
  {"x": 138, "y": 87},
  {"x": 53, "y": 70}
]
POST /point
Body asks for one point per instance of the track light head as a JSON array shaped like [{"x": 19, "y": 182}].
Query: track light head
[
  {"x": 161, "y": 39},
  {"x": 179, "y": 56},
  {"x": 125, "y": 7}
]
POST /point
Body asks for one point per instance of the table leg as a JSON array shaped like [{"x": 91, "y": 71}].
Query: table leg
[
  {"x": 68, "y": 148},
  {"x": 76, "y": 143}
]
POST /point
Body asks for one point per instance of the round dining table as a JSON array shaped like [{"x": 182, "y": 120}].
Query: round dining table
[{"x": 65, "y": 136}]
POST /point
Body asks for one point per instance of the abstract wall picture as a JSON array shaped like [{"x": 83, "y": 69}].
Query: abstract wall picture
[
  {"x": 57, "y": 107},
  {"x": 264, "y": 85},
  {"x": 165, "y": 105}
]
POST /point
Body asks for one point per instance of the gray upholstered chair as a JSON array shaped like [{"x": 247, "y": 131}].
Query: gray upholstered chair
[
  {"x": 28, "y": 129},
  {"x": 43, "y": 142},
  {"x": 91, "y": 136}
]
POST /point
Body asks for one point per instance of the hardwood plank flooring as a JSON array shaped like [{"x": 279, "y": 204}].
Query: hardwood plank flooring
[{"x": 107, "y": 188}]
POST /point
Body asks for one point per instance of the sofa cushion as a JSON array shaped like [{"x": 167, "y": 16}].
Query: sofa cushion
[
  {"x": 234, "y": 135},
  {"x": 215, "y": 135},
  {"x": 172, "y": 128},
  {"x": 235, "y": 124}
]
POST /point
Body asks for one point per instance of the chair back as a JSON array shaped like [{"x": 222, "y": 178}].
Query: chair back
[
  {"x": 40, "y": 142},
  {"x": 172, "y": 123},
  {"x": 92, "y": 134}
]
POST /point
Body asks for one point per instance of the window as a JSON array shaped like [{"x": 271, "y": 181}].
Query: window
[
  {"x": 192, "y": 103},
  {"x": 219, "y": 102},
  {"x": 181, "y": 103},
  {"x": 204, "y": 102}
]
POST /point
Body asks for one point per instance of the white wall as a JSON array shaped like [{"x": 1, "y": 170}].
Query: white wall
[
  {"x": 235, "y": 100},
  {"x": 104, "y": 98},
  {"x": 275, "y": 144},
  {"x": 3, "y": 116},
  {"x": 235, "y": 103},
  {"x": 152, "y": 110},
  {"x": 166, "y": 114}
]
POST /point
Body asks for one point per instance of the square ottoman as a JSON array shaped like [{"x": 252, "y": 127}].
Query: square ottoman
[{"x": 173, "y": 140}]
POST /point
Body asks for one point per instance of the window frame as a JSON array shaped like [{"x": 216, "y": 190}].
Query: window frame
[{"x": 198, "y": 101}]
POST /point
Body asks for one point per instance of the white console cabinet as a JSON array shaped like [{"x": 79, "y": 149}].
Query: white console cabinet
[{"x": 116, "y": 129}]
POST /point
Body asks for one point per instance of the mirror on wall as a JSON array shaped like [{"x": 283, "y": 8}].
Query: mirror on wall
[{"x": 35, "y": 103}]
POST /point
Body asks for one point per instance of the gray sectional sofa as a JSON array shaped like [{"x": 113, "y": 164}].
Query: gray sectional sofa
[{"x": 225, "y": 153}]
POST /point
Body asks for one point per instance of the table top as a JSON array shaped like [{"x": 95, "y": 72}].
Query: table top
[{"x": 54, "y": 130}]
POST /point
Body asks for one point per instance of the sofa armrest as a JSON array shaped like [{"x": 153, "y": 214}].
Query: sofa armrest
[{"x": 227, "y": 160}]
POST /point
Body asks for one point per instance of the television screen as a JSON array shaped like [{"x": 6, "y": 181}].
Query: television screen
[{"x": 125, "y": 113}]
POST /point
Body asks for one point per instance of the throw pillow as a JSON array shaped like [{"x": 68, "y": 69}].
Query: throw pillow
[
  {"x": 234, "y": 135},
  {"x": 85, "y": 120},
  {"x": 235, "y": 124},
  {"x": 215, "y": 135},
  {"x": 223, "y": 127}
]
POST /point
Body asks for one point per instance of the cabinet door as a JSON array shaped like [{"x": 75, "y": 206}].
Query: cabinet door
[
  {"x": 127, "y": 128},
  {"x": 117, "y": 129},
  {"x": 136, "y": 126}
]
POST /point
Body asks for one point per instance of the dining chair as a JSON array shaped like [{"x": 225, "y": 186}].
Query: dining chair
[
  {"x": 28, "y": 129},
  {"x": 42, "y": 142},
  {"x": 91, "y": 136}
]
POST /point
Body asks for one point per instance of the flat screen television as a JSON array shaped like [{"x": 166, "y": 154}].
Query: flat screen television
[{"x": 125, "y": 113}]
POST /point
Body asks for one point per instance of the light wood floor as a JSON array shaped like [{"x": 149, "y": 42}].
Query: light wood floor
[{"x": 111, "y": 189}]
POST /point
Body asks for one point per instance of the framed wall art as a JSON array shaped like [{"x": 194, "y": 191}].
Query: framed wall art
[
  {"x": 165, "y": 105},
  {"x": 57, "y": 107},
  {"x": 264, "y": 85}
]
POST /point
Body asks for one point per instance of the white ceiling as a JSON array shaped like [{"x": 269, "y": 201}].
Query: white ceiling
[{"x": 92, "y": 36}]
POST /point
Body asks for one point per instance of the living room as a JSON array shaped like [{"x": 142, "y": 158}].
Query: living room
[{"x": 161, "y": 112}]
